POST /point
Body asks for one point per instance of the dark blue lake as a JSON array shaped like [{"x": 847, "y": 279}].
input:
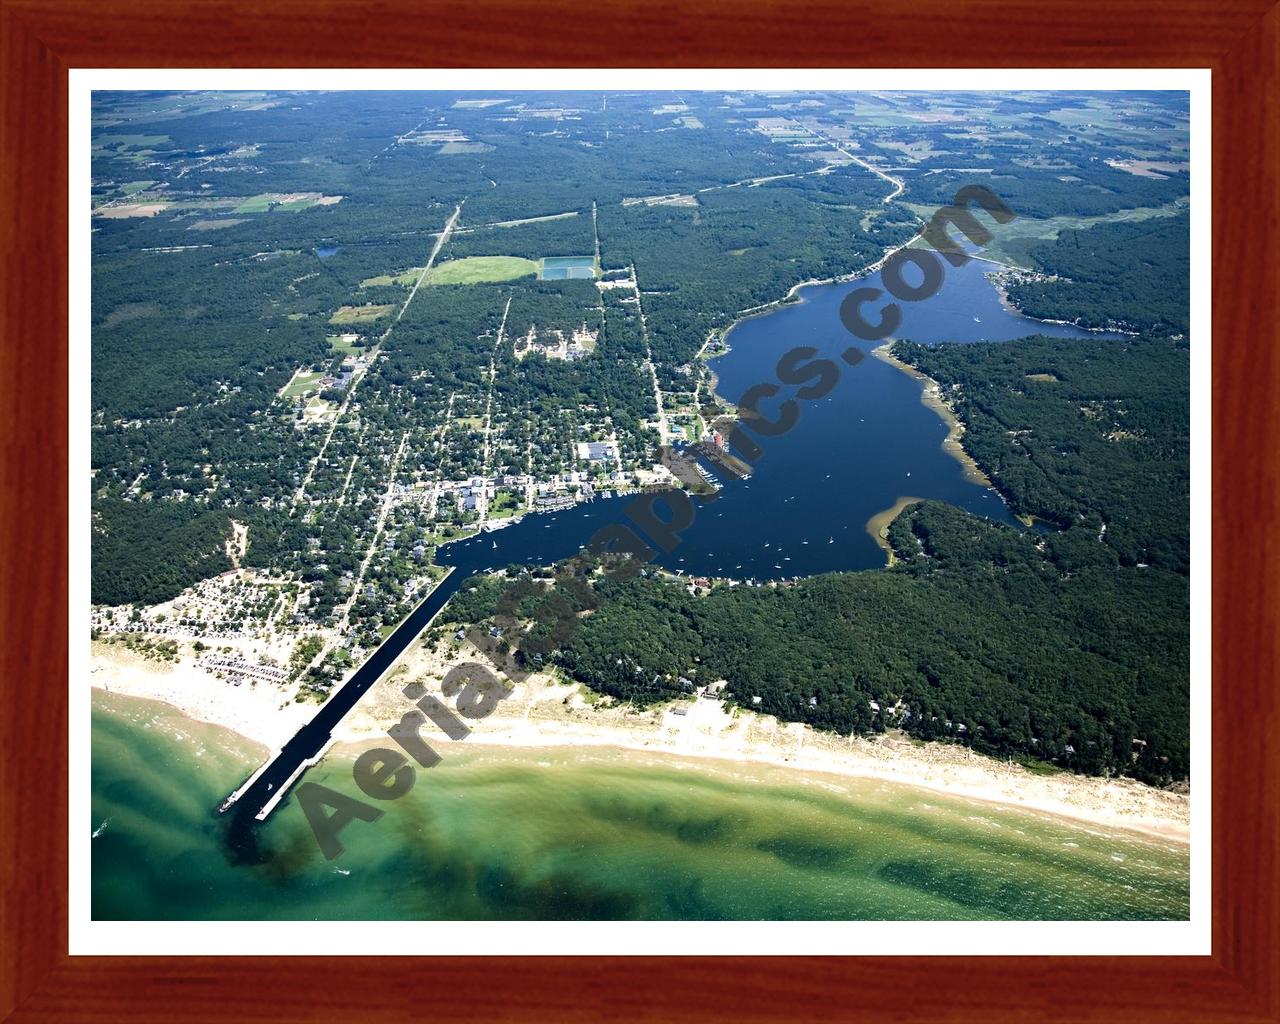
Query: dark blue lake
[{"x": 851, "y": 455}]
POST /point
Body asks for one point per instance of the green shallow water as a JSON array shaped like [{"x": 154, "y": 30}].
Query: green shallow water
[{"x": 593, "y": 833}]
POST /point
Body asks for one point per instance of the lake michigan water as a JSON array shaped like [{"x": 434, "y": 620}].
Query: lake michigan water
[{"x": 594, "y": 833}]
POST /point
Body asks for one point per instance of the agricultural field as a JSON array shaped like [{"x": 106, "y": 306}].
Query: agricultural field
[
  {"x": 289, "y": 202},
  {"x": 405, "y": 279},
  {"x": 217, "y": 224},
  {"x": 360, "y": 314}
]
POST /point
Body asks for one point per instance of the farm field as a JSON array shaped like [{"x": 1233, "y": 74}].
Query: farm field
[
  {"x": 291, "y": 201},
  {"x": 405, "y": 279},
  {"x": 359, "y": 314}
]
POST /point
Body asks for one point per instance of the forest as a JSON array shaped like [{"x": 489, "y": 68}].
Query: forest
[
  {"x": 1089, "y": 435},
  {"x": 1132, "y": 276},
  {"x": 977, "y": 636}
]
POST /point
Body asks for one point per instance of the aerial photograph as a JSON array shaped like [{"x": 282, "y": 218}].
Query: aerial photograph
[{"x": 639, "y": 505}]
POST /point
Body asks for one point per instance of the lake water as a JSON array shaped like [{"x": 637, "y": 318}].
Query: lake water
[
  {"x": 851, "y": 455},
  {"x": 593, "y": 833},
  {"x": 590, "y": 833}
]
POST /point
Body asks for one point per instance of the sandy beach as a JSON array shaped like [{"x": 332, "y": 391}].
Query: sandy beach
[{"x": 545, "y": 712}]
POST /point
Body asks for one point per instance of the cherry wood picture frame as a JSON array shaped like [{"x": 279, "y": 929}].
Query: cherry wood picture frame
[{"x": 41, "y": 39}]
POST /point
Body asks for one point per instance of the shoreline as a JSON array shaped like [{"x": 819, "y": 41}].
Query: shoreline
[
  {"x": 878, "y": 526},
  {"x": 544, "y": 712},
  {"x": 751, "y": 312},
  {"x": 931, "y": 398}
]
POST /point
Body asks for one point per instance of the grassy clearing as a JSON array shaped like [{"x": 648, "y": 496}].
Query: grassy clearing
[
  {"x": 344, "y": 343},
  {"x": 255, "y": 204},
  {"x": 505, "y": 504},
  {"x": 216, "y": 225},
  {"x": 453, "y": 148},
  {"x": 1012, "y": 241},
  {"x": 406, "y": 279},
  {"x": 132, "y": 210},
  {"x": 359, "y": 314},
  {"x": 291, "y": 201},
  {"x": 1038, "y": 767},
  {"x": 481, "y": 269},
  {"x": 128, "y": 141},
  {"x": 302, "y": 385}
]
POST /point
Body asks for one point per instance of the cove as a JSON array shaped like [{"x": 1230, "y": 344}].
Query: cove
[{"x": 851, "y": 455}]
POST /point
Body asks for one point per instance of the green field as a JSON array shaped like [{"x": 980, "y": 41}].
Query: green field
[
  {"x": 505, "y": 504},
  {"x": 301, "y": 385},
  {"x": 359, "y": 314},
  {"x": 216, "y": 225},
  {"x": 255, "y": 204},
  {"x": 453, "y": 148},
  {"x": 480, "y": 269},
  {"x": 406, "y": 279},
  {"x": 1012, "y": 241},
  {"x": 336, "y": 344}
]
